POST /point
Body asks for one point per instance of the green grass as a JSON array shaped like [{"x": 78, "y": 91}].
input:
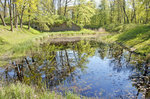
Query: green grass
[
  {"x": 137, "y": 38},
  {"x": 16, "y": 37},
  {"x": 22, "y": 91},
  {"x": 120, "y": 27}
]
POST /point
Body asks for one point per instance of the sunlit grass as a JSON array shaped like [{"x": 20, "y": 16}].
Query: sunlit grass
[
  {"x": 137, "y": 38},
  {"x": 11, "y": 39}
]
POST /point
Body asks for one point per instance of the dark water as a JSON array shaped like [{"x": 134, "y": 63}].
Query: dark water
[{"x": 88, "y": 68}]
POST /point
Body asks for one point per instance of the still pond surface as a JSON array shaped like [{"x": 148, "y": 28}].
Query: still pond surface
[{"x": 88, "y": 68}]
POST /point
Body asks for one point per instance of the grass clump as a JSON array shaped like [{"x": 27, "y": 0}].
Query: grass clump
[{"x": 22, "y": 91}]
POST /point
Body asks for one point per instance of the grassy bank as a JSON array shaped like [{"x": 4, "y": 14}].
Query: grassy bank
[
  {"x": 22, "y": 91},
  {"x": 11, "y": 41},
  {"x": 15, "y": 44},
  {"x": 135, "y": 37}
]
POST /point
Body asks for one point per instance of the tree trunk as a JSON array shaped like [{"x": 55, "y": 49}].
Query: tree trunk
[
  {"x": 118, "y": 8},
  {"x": 13, "y": 10},
  {"x": 21, "y": 25},
  {"x": 147, "y": 12},
  {"x": 16, "y": 17},
  {"x": 29, "y": 16},
  {"x": 65, "y": 8},
  {"x": 134, "y": 12},
  {"x": 2, "y": 19},
  {"x": 124, "y": 10},
  {"x": 29, "y": 24},
  {"x": 11, "y": 17},
  {"x": 59, "y": 11},
  {"x": 21, "y": 16},
  {"x": 53, "y": 7},
  {"x": 5, "y": 9}
]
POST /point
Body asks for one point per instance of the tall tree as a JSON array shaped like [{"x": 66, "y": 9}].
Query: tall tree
[
  {"x": 133, "y": 16},
  {"x": 29, "y": 16},
  {"x": 21, "y": 7},
  {"x": 125, "y": 13},
  {"x": 66, "y": 5},
  {"x": 16, "y": 16},
  {"x": 11, "y": 17},
  {"x": 32, "y": 9},
  {"x": 5, "y": 8},
  {"x": 2, "y": 19}
]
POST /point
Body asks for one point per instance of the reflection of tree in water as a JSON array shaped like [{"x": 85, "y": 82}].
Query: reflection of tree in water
[
  {"x": 52, "y": 64},
  {"x": 116, "y": 52},
  {"x": 102, "y": 50},
  {"x": 119, "y": 59},
  {"x": 141, "y": 79}
]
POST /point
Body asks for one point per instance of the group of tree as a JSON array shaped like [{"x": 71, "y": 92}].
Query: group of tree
[
  {"x": 16, "y": 10},
  {"x": 45, "y": 12},
  {"x": 122, "y": 12}
]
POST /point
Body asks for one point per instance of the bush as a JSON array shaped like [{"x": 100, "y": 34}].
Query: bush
[
  {"x": 44, "y": 23},
  {"x": 112, "y": 27}
]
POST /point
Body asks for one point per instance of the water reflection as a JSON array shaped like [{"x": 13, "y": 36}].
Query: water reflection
[
  {"x": 51, "y": 64},
  {"x": 90, "y": 68}
]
